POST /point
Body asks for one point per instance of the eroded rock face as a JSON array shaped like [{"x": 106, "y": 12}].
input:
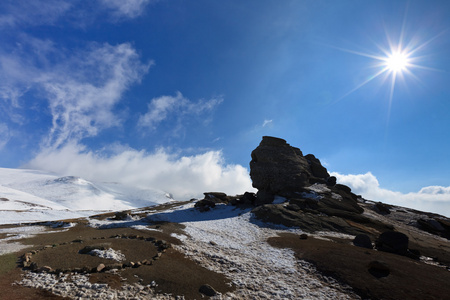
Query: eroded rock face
[{"x": 278, "y": 168}]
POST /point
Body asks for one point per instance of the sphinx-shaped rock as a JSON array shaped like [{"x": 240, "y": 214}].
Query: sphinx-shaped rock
[{"x": 277, "y": 168}]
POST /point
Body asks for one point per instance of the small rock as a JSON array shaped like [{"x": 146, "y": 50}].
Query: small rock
[
  {"x": 382, "y": 208},
  {"x": 121, "y": 215},
  {"x": 100, "y": 267},
  {"x": 212, "y": 243},
  {"x": 45, "y": 269},
  {"x": 363, "y": 240},
  {"x": 303, "y": 236},
  {"x": 33, "y": 266},
  {"x": 207, "y": 290},
  {"x": 147, "y": 262}
]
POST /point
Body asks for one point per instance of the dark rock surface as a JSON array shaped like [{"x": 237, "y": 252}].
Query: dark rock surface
[
  {"x": 393, "y": 242},
  {"x": 314, "y": 201},
  {"x": 363, "y": 241},
  {"x": 278, "y": 168}
]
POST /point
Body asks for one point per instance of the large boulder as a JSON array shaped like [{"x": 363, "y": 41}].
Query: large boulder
[
  {"x": 277, "y": 168},
  {"x": 393, "y": 242}
]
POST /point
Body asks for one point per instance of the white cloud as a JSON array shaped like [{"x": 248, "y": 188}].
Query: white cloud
[
  {"x": 81, "y": 87},
  {"x": 82, "y": 92},
  {"x": 182, "y": 176},
  {"x": 160, "y": 108},
  {"x": 77, "y": 13},
  {"x": 4, "y": 135},
  {"x": 431, "y": 198},
  {"x": 37, "y": 12},
  {"x": 267, "y": 123},
  {"x": 126, "y": 8}
]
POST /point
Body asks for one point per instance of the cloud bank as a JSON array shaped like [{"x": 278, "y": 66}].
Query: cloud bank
[
  {"x": 182, "y": 176},
  {"x": 431, "y": 198}
]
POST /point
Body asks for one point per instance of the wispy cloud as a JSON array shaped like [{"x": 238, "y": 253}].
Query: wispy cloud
[
  {"x": 39, "y": 12},
  {"x": 267, "y": 123},
  {"x": 81, "y": 87},
  {"x": 182, "y": 176},
  {"x": 83, "y": 91},
  {"x": 126, "y": 8},
  {"x": 4, "y": 135},
  {"x": 78, "y": 13},
  {"x": 176, "y": 106},
  {"x": 431, "y": 198}
]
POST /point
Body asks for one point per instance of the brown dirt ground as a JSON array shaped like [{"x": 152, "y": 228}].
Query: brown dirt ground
[
  {"x": 173, "y": 272},
  {"x": 408, "y": 279}
]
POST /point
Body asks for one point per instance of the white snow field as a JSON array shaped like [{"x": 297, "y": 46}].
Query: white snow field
[{"x": 31, "y": 196}]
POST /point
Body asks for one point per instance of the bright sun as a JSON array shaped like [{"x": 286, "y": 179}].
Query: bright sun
[{"x": 397, "y": 61}]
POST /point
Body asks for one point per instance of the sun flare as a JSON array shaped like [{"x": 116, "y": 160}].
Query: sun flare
[{"x": 397, "y": 61}]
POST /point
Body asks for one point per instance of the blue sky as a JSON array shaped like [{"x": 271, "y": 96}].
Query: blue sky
[{"x": 176, "y": 94}]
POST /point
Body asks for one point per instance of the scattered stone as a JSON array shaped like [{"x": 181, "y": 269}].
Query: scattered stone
[
  {"x": 122, "y": 215},
  {"x": 382, "y": 208},
  {"x": 212, "y": 243},
  {"x": 33, "y": 266},
  {"x": 207, "y": 290},
  {"x": 247, "y": 199},
  {"x": 147, "y": 262},
  {"x": 393, "y": 242},
  {"x": 217, "y": 197},
  {"x": 205, "y": 205},
  {"x": 162, "y": 245},
  {"x": 303, "y": 236},
  {"x": 363, "y": 240},
  {"x": 100, "y": 267},
  {"x": 45, "y": 269},
  {"x": 379, "y": 269},
  {"x": 114, "y": 266}
]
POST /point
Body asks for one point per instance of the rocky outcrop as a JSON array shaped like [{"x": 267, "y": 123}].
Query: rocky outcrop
[
  {"x": 314, "y": 201},
  {"x": 277, "y": 168}
]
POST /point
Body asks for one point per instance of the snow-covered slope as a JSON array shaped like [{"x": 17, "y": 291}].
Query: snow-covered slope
[{"x": 30, "y": 195}]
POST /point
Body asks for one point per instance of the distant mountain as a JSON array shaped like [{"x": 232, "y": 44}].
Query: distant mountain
[{"x": 31, "y": 195}]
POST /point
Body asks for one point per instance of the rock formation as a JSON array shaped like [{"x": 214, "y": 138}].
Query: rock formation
[
  {"x": 314, "y": 201},
  {"x": 277, "y": 168}
]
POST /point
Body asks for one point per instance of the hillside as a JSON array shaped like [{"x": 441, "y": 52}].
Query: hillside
[
  {"x": 302, "y": 236},
  {"x": 31, "y": 195}
]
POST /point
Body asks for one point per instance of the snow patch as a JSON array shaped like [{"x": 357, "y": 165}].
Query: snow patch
[{"x": 108, "y": 254}]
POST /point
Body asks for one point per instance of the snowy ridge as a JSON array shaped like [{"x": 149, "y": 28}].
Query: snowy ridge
[{"x": 30, "y": 195}]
